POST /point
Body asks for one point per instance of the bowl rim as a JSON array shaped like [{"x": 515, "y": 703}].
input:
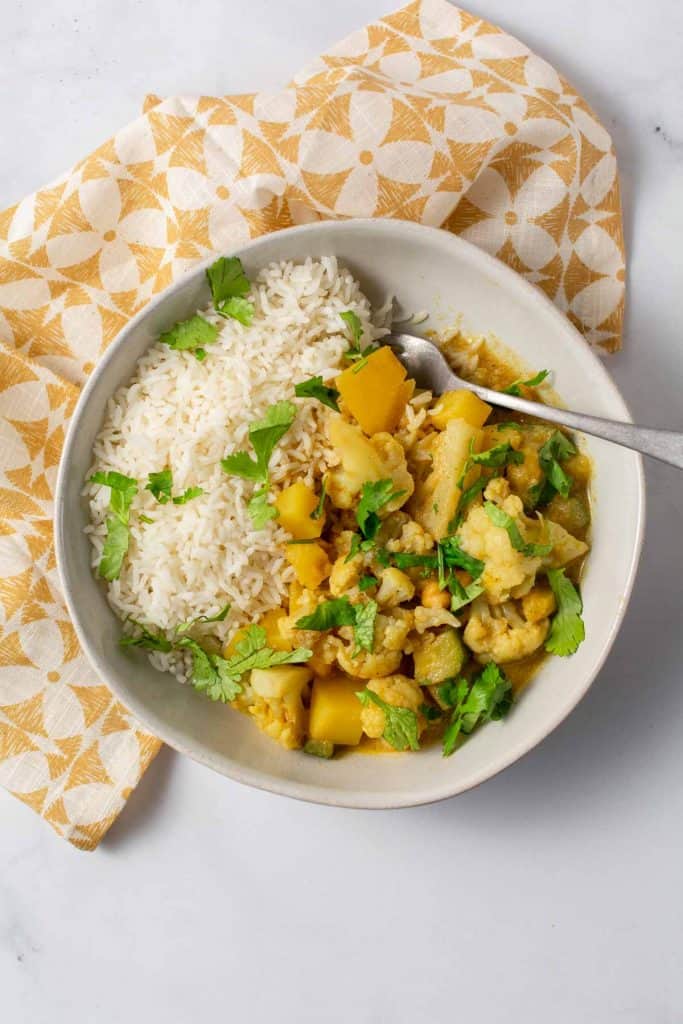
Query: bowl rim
[{"x": 496, "y": 270}]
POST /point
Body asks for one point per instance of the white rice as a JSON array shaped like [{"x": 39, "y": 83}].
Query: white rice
[{"x": 178, "y": 412}]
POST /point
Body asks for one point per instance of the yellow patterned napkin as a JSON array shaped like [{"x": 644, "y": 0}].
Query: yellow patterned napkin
[{"x": 431, "y": 115}]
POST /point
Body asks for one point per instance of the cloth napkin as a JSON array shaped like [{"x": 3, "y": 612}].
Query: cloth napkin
[{"x": 429, "y": 114}]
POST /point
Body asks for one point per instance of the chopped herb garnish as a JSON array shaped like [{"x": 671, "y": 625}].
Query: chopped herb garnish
[
  {"x": 488, "y": 699},
  {"x": 191, "y": 336},
  {"x": 320, "y": 507},
  {"x": 357, "y": 545},
  {"x": 315, "y": 388},
  {"x": 533, "y": 382},
  {"x": 364, "y": 626},
  {"x": 220, "y": 616},
  {"x": 500, "y": 518},
  {"x": 264, "y": 434},
  {"x": 237, "y": 308},
  {"x": 259, "y": 509},
  {"x": 161, "y": 486},
  {"x": 465, "y": 499},
  {"x": 556, "y": 449},
  {"x": 509, "y": 425},
  {"x": 356, "y": 353},
  {"x": 431, "y": 712},
  {"x": 456, "y": 558},
  {"x": 122, "y": 490},
  {"x": 329, "y": 615},
  {"x": 400, "y": 724},
  {"x": 145, "y": 519},
  {"x": 340, "y": 612},
  {"x": 367, "y": 582},
  {"x": 188, "y": 495},
  {"x": 500, "y": 455},
  {"x": 352, "y": 321},
  {"x": 145, "y": 638},
  {"x": 229, "y": 284},
  {"x": 374, "y": 496},
  {"x": 567, "y": 629},
  {"x": 460, "y": 595}
]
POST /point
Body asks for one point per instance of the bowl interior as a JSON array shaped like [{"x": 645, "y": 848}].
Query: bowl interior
[{"x": 425, "y": 269}]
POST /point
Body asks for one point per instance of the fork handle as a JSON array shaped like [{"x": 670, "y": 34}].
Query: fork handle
[{"x": 665, "y": 445}]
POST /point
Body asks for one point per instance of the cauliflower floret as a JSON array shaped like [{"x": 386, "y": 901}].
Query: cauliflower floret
[
  {"x": 391, "y": 635},
  {"x": 361, "y": 459},
  {"x": 413, "y": 538},
  {"x": 501, "y": 634},
  {"x": 277, "y": 706},
  {"x": 395, "y": 588},
  {"x": 497, "y": 490},
  {"x": 397, "y": 690},
  {"x": 431, "y": 618},
  {"x": 345, "y": 575},
  {"x": 507, "y": 573},
  {"x": 393, "y": 459},
  {"x": 301, "y": 602}
]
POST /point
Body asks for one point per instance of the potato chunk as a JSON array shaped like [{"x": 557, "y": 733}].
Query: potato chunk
[
  {"x": 460, "y": 405},
  {"x": 436, "y": 497},
  {"x": 310, "y": 563},
  {"x": 335, "y": 711},
  {"x": 376, "y": 391},
  {"x": 295, "y": 504}
]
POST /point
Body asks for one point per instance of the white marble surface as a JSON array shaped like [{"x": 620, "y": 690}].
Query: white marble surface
[{"x": 553, "y": 893}]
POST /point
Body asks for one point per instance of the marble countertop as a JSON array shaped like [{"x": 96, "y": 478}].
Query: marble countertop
[{"x": 553, "y": 892}]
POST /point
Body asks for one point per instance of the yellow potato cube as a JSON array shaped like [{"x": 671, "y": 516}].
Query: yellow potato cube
[
  {"x": 310, "y": 563},
  {"x": 376, "y": 391},
  {"x": 460, "y": 405},
  {"x": 295, "y": 504},
  {"x": 335, "y": 711},
  {"x": 271, "y": 623}
]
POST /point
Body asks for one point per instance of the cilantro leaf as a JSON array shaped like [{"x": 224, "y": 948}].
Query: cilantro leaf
[
  {"x": 358, "y": 545},
  {"x": 315, "y": 388},
  {"x": 500, "y": 455},
  {"x": 145, "y": 638},
  {"x": 122, "y": 490},
  {"x": 320, "y": 507},
  {"x": 259, "y": 509},
  {"x": 367, "y": 582},
  {"x": 407, "y": 560},
  {"x": 237, "y": 308},
  {"x": 488, "y": 699},
  {"x": 400, "y": 724},
  {"x": 145, "y": 519},
  {"x": 374, "y": 496},
  {"x": 460, "y": 595},
  {"x": 431, "y": 712},
  {"x": 466, "y": 498},
  {"x": 190, "y": 335},
  {"x": 364, "y": 626},
  {"x": 227, "y": 279},
  {"x": 242, "y": 464},
  {"x": 355, "y": 353},
  {"x": 188, "y": 495},
  {"x": 252, "y": 652},
  {"x": 161, "y": 485},
  {"x": 567, "y": 629},
  {"x": 452, "y": 692},
  {"x": 328, "y": 615},
  {"x": 352, "y": 321},
  {"x": 533, "y": 382},
  {"x": 264, "y": 434},
  {"x": 220, "y": 616},
  {"x": 114, "y": 549},
  {"x": 556, "y": 449},
  {"x": 455, "y": 558},
  {"x": 500, "y": 518}
]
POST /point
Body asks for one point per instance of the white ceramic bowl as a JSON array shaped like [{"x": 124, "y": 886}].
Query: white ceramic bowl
[{"x": 426, "y": 269}]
